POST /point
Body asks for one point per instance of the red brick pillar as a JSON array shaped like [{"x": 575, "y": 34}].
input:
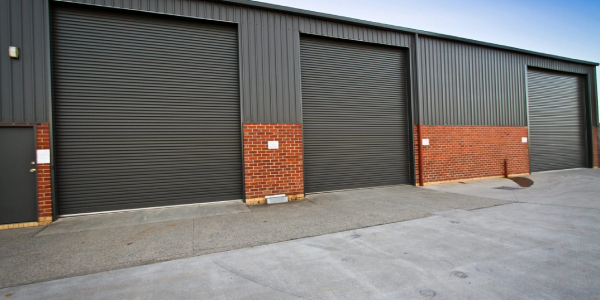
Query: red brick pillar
[
  {"x": 273, "y": 171},
  {"x": 43, "y": 173}
]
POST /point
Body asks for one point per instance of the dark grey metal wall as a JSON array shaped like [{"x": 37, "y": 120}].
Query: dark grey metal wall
[
  {"x": 460, "y": 83},
  {"x": 269, "y": 56},
  {"x": 147, "y": 110},
  {"x": 355, "y": 108},
  {"x": 556, "y": 121},
  {"x": 24, "y": 82},
  {"x": 463, "y": 84}
]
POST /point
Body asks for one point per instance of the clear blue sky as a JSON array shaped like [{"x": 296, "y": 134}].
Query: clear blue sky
[{"x": 569, "y": 28}]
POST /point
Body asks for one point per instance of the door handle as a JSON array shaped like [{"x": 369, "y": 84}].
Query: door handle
[{"x": 32, "y": 170}]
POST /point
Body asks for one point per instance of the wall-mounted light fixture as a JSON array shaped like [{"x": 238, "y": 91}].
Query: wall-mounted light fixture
[{"x": 13, "y": 52}]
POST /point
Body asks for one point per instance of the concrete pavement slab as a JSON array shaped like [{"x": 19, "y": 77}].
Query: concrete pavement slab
[
  {"x": 143, "y": 216},
  {"x": 89, "y": 244},
  {"x": 544, "y": 249},
  {"x": 577, "y": 188},
  {"x": 77, "y": 253},
  {"x": 322, "y": 215},
  {"x": 516, "y": 251}
]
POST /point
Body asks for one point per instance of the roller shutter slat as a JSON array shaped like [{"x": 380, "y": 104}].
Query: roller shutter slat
[
  {"x": 146, "y": 111},
  {"x": 355, "y": 117},
  {"x": 556, "y": 127}
]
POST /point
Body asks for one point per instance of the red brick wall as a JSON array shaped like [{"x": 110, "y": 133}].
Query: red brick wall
[
  {"x": 43, "y": 171},
  {"x": 43, "y": 174},
  {"x": 595, "y": 138},
  {"x": 273, "y": 171},
  {"x": 464, "y": 152}
]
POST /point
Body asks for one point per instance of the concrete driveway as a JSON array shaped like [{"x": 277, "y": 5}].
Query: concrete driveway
[
  {"x": 545, "y": 246},
  {"x": 90, "y": 244}
]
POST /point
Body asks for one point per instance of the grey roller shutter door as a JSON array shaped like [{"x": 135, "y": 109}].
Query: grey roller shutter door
[
  {"x": 146, "y": 110},
  {"x": 355, "y": 116},
  {"x": 556, "y": 121}
]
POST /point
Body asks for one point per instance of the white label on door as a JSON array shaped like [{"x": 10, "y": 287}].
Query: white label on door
[
  {"x": 43, "y": 156},
  {"x": 273, "y": 145},
  {"x": 425, "y": 142}
]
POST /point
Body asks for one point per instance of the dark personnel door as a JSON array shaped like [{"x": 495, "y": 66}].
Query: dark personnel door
[{"x": 17, "y": 175}]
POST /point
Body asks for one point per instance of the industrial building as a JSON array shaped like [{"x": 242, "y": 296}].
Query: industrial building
[{"x": 111, "y": 105}]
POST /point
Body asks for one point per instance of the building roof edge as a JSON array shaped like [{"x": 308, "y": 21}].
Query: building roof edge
[{"x": 326, "y": 16}]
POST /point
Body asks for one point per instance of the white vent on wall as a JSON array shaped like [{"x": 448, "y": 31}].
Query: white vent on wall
[{"x": 277, "y": 199}]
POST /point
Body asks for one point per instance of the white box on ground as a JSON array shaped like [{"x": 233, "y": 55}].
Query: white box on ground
[
  {"x": 425, "y": 142},
  {"x": 273, "y": 144},
  {"x": 277, "y": 199}
]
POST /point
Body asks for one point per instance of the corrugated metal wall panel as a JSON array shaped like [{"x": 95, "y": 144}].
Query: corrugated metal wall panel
[
  {"x": 269, "y": 58},
  {"x": 146, "y": 110},
  {"x": 464, "y": 84},
  {"x": 23, "y": 82},
  {"x": 355, "y": 114},
  {"x": 352, "y": 32},
  {"x": 556, "y": 122},
  {"x": 461, "y": 107}
]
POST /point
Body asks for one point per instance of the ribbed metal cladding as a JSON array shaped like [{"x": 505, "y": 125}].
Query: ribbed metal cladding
[
  {"x": 556, "y": 120},
  {"x": 465, "y": 84},
  {"x": 460, "y": 83},
  {"x": 354, "y": 100},
  {"x": 147, "y": 111},
  {"x": 269, "y": 49},
  {"x": 24, "y": 81}
]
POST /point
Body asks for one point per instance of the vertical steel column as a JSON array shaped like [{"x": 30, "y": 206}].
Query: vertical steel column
[
  {"x": 48, "y": 21},
  {"x": 596, "y": 111},
  {"x": 527, "y": 116},
  {"x": 419, "y": 108}
]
